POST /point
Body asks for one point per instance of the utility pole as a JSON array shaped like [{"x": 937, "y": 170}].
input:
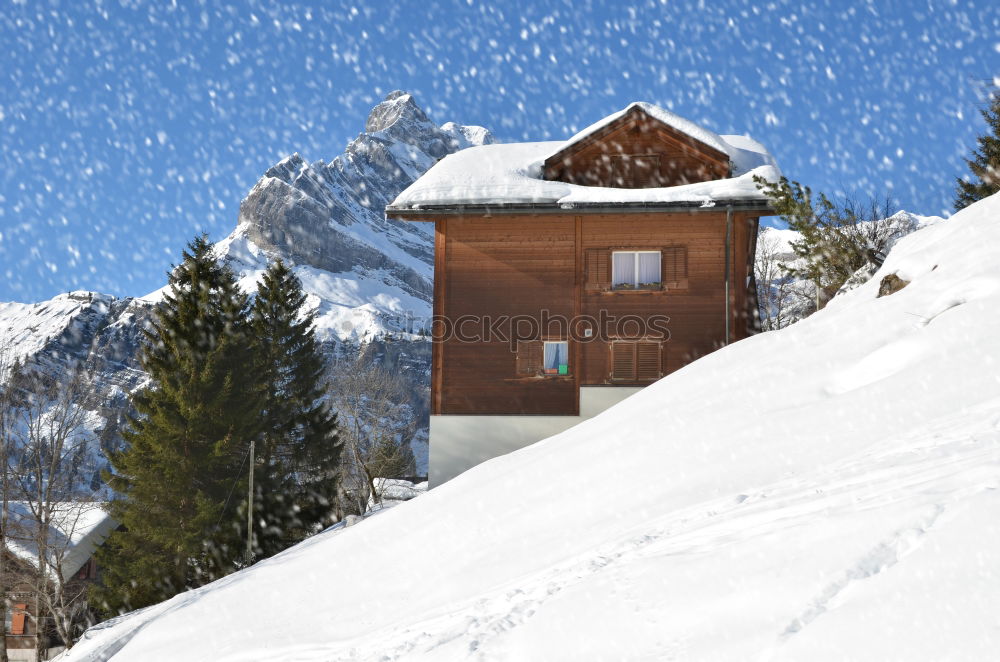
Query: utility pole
[{"x": 250, "y": 508}]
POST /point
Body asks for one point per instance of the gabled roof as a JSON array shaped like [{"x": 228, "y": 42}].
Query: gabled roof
[
  {"x": 509, "y": 176},
  {"x": 77, "y": 529},
  {"x": 714, "y": 143}
]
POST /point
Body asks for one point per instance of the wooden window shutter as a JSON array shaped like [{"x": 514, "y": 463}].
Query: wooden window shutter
[
  {"x": 529, "y": 357},
  {"x": 675, "y": 269},
  {"x": 621, "y": 172},
  {"x": 647, "y": 361},
  {"x": 646, "y": 171},
  {"x": 17, "y": 618},
  {"x": 623, "y": 361},
  {"x": 597, "y": 269}
]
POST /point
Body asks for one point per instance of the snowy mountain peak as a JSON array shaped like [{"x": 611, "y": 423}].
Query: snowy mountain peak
[
  {"x": 397, "y": 106},
  {"x": 288, "y": 168},
  {"x": 328, "y": 217}
]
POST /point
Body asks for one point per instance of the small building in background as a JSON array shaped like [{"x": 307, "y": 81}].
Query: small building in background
[
  {"x": 78, "y": 528},
  {"x": 570, "y": 274}
]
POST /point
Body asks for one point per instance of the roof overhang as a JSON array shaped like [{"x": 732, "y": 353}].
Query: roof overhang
[{"x": 431, "y": 212}]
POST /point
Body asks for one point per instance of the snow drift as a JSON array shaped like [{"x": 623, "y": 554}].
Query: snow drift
[{"x": 828, "y": 491}]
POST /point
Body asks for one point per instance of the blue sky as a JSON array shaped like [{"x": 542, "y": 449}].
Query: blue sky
[{"x": 128, "y": 127}]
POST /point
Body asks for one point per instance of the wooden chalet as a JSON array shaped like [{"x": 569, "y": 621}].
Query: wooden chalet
[
  {"x": 631, "y": 247},
  {"x": 76, "y": 531}
]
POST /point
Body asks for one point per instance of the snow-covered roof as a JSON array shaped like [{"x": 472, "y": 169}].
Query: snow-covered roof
[
  {"x": 511, "y": 174},
  {"x": 76, "y": 531}
]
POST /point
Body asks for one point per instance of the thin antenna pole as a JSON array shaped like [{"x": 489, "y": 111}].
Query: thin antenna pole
[
  {"x": 729, "y": 233},
  {"x": 250, "y": 508}
]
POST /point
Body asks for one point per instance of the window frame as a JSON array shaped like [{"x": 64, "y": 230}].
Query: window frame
[
  {"x": 635, "y": 286},
  {"x": 529, "y": 358}
]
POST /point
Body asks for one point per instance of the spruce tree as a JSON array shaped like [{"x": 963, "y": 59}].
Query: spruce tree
[
  {"x": 836, "y": 239},
  {"x": 185, "y": 444},
  {"x": 295, "y": 472},
  {"x": 985, "y": 161}
]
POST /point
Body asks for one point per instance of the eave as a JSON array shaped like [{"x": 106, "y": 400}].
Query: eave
[{"x": 430, "y": 212}]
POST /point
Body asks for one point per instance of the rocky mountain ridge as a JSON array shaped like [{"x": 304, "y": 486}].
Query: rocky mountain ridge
[
  {"x": 330, "y": 215},
  {"x": 366, "y": 277}
]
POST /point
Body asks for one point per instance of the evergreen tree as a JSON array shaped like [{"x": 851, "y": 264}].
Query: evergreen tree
[
  {"x": 185, "y": 444},
  {"x": 837, "y": 239},
  {"x": 295, "y": 475},
  {"x": 985, "y": 161}
]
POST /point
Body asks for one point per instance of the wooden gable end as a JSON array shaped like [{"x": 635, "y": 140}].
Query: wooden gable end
[{"x": 637, "y": 151}]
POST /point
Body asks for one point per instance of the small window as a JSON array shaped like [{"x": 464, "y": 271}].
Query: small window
[
  {"x": 635, "y": 270},
  {"x": 556, "y": 359}
]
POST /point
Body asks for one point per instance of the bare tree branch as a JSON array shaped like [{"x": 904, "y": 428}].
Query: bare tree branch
[{"x": 378, "y": 422}]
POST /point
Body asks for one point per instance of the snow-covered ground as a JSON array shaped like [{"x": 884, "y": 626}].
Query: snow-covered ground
[{"x": 824, "y": 492}]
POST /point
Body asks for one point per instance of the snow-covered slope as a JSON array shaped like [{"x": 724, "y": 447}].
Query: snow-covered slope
[
  {"x": 785, "y": 300},
  {"x": 824, "y": 492},
  {"x": 98, "y": 331}
]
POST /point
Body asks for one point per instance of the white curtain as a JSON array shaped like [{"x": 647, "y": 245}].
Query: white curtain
[
  {"x": 649, "y": 268},
  {"x": 622, "y": 269}
]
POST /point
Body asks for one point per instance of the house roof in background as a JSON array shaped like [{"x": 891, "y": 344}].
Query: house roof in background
[{"x": 77, "y": 530}]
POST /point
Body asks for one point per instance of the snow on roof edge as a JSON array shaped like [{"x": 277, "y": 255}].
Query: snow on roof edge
[{"x": 510, "y": 174}]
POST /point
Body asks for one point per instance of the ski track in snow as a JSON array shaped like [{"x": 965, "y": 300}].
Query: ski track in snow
[{"x": 936, "y": 467}]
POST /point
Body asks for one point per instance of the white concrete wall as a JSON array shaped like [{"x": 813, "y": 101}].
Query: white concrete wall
[
  {"x": 21, "y": 654},
  {"x": 458, "y": 443}
]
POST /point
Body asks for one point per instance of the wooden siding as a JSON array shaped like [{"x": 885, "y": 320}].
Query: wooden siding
[
  {"x": 637, "y": 151},
  {"x": 522, "y": 265},
  {"x": 514, "y": 266}
]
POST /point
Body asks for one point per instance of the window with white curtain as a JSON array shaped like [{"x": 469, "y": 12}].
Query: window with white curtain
[
  {"x": 635, "y": 270},
  {"x": 556, "y": 358}
]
